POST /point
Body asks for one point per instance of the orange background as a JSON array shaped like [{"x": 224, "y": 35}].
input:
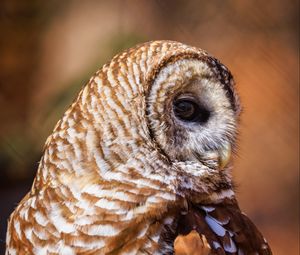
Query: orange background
[{"x": 48, "y": 49}]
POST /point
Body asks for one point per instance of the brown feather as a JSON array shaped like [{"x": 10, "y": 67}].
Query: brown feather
[{"x": 225, "y": 227}]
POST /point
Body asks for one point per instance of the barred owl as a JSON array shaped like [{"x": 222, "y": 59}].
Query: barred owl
[{"x": 140, "y": 159}]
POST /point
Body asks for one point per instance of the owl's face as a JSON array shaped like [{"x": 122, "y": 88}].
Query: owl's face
[
  {"x": 193, "y": 111},
  {"x": 163, "y": 111}
]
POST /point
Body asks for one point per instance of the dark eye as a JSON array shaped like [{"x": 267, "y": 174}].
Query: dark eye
[{"x": 188, "y": 110}]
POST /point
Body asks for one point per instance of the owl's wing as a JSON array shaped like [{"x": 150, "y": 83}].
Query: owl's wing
[{"x": 225, "y": 227}]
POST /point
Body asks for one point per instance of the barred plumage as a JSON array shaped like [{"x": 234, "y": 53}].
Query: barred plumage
[{"x": 120, "y": 172}]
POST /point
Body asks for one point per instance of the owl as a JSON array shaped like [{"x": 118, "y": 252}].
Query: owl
[{"x": 140, "y": 163}]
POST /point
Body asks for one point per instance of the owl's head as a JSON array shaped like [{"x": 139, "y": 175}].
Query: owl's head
[
  {"x": 157, "y": 110},
  {"x": 193, "y": 109}
]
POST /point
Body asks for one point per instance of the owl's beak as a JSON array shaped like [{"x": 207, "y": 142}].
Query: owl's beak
[
  {"x": 217, "y": 159},
  {"x": 224, "y": 156}
]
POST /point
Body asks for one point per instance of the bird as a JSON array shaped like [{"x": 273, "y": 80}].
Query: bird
[{"x": 140, "y": 163}]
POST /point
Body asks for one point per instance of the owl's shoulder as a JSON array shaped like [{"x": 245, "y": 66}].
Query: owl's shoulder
[{"x": 221, "y": 227}]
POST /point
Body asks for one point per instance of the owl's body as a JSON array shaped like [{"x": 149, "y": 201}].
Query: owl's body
[{"x": 126, "y": 170}]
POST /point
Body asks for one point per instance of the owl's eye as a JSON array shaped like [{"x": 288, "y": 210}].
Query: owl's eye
[{"x": 188, "y": 110}]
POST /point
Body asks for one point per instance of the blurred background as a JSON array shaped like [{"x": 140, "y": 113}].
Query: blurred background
[{"x": 49, "y": 49}]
